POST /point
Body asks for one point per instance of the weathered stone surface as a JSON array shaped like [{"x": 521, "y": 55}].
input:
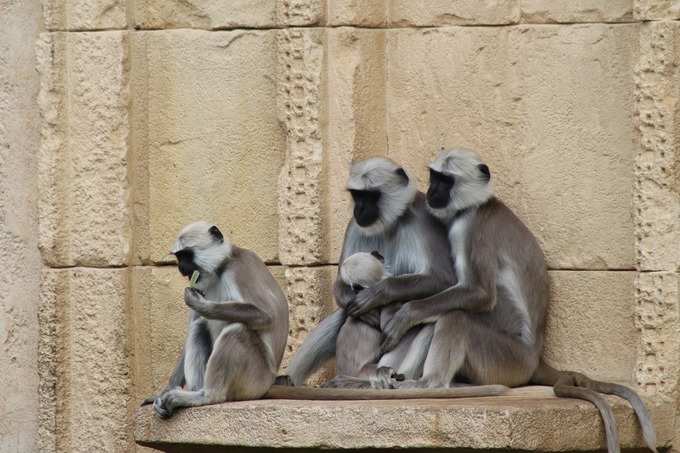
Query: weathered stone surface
[
  {"x": 207, "y": 142},
  {"x": 547, "y": 11},
  {"x": 19, "y": 139},
  {"x": 215, "y": 14},
  {"x": 658, "y": 321},
  {"x": 81, "y": 15},
  {"x": 310, "y": 299},
  {"x": 591, "y": 324},
  {"x": 657, "y": 9},
  {"x": 526, "y": 419},
  {"x": 356, "y": 126},
  {"x": 550, "y": 109},
  {"x": 357, "y": 12},
  {"x": 83, "y": 181},
  {"x": 657, "y": 164},
  {"x": 299, "y": 76},
  {"x": 445, "y": 12},
  {"x": 83, "y": 361}
]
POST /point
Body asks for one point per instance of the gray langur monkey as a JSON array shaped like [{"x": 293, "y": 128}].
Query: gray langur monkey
[
  {"x": 489, "y": 326},
  {"x": 389, "y": 217},
  {"x": 238, "y": 327}
]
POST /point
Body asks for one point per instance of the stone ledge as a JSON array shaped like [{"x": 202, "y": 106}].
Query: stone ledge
[{"x": 530, "y": 418}]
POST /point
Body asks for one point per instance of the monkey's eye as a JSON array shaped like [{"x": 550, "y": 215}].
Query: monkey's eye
[
  {"x": 370, "y": 196},
  {"x": 357, "y": 288},
  {"x": 439, "y": 177}
]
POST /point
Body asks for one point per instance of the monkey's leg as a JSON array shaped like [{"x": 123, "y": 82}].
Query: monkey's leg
[
  {"x": 197, "y": 351},
  {"x": 237, "y": 370},
  {"x": 411, "y": 367},
  {"x": 358, "y": 344},
  {"x": 467, "y": 343}
]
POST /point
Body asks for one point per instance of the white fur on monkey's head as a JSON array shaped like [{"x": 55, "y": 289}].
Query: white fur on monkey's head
[
  {"x": 210, "y": 248},
  {"x": 396, "y": 188},
  {"x": 362, "y": 269},
  {"x": 472, "y": 180}
]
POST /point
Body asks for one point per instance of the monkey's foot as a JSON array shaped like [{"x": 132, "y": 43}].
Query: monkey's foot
[
  {"x": 348, "y": 382},
  {"x": 161, "y": 410}
]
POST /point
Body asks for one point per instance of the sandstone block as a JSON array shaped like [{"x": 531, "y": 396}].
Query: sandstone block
[
  {"x": 83, "y": 15},
  {"x": 216, "y": 14},
  {"x": 357, "y": 12},
  {"x": 300, "y": 69},
  {"x": 657, "y": 163},
  {"x": 549, "y": 108},
  {"x": 207, "y": 94},
  {"x": 83, "y": 361},
  {"x": 437, "y": 13},
  {"x": 656, "y": 9},
  {"x": 658, "y": 321},
  {"x": 591, "y": 324},
  {"x": 356, "y": 127},
  {"x": 83, "y": 183},
  {"x": 547, "y": 11}
]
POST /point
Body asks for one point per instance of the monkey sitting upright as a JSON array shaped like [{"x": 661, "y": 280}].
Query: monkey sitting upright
[{"x": 238, "y": 328}]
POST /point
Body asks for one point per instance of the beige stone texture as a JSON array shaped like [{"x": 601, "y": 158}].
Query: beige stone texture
[
  {"x": 207, "y": 114},
  {"x": 299, "y": 76},
  {"x": 658, "y": 320},
  {"x": 657, "y": 164},
  {"x": 83, "y": 361},
  {"x": 356, "y": 120},
  {"x": 19, "y": 287},
  {"x": 591, "y": 325},
  {"x": 408, "y": 13},
  {"x": 222, "y": 14},
  {"x": 525, "y": 419},
  {"x": 357, "y": 12},
  {"x": 569, "y": 11},
  {"x": 83, "y": 182},
  {"x": 657, "y": 9},
  {"x": 83, "y": 15},
  {"x": 550, "y": 109}
]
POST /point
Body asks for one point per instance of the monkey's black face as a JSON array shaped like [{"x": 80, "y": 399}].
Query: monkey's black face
[
  {"x": 185, "y": 262},
  {"x": 366, "y": 209},
  {"x": 439, "y": 192},
  {"x": 357, "y": 288}
]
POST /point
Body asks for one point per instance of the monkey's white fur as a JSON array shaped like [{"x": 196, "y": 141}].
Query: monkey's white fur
[
  {"x": 471, "y": 186},
  {"x": 379, "y": 173},
  {"x": 362, "y": 269}
]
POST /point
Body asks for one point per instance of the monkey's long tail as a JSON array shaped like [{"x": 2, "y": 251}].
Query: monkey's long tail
[
  {"x": 314, "y": 393},
  {"x": 318, "y": 348},
  {"x": 568, "y": 384}
]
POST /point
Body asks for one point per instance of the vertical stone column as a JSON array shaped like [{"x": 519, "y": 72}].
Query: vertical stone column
[
  {"x": 84, "y": 234},
  {"x": 657, "y": 207}
]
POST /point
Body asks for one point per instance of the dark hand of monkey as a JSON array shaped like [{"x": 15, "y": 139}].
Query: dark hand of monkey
[
  {"x": 285, "y": 380},
  {"x": 368, "y": 299},
  {"x": 396, "y": 328},
  {"x": 194, "y": 298}
]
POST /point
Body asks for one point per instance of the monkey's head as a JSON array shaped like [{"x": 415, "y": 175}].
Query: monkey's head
[
  {"x": 200, "y": 247},
  {"x": 362, "y": 270},
  {"x": 458, "y": 180},
  {"x": 381, "y": 191}
]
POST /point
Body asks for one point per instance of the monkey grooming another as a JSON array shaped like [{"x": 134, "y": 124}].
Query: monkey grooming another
[
  {"x": 489, "y": 326},
  {"x": 238, "y": 327}
]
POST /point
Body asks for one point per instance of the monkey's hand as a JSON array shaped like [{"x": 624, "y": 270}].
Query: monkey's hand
[
  {"x": 194, "y": 299},
  {"x": 368, "y": 299},
  {"x": 396, "y": 328}
]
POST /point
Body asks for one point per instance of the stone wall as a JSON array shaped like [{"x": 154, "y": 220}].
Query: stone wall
[{"x": 247, "y": 113}]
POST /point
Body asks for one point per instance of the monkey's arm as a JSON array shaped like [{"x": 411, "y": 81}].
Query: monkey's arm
[
  {"x": 475, "y": 291},
  {"x": 395, "y": 289},
  {"x": 242, "y": 312}
]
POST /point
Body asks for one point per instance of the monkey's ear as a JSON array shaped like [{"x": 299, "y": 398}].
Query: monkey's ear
[
  {"x": 485, "y": 171},
  {"x": 216, "y": 233},
  {"x": 377, "y": 255},
  {"x": 402, "y": 174}
]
